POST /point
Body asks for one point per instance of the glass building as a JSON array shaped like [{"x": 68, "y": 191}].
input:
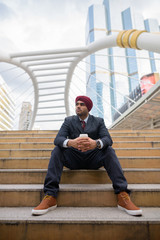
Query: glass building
[
  {"x": 122, "y": 68},
  {"x": 138, "y": 62},
  {"x": 25, "y": 116},
  {"x": 7, "y": 107},
  {"x": 151, "y": 25},
  {"x": 98, "y": 79}
]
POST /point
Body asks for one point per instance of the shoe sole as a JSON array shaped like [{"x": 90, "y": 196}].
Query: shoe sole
[
  {"x": 131, "y": 212},
  {"x": 41, "y": 212}
]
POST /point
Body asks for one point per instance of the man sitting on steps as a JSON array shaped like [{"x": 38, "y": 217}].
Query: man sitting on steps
[{"x": 84, "y": 152}]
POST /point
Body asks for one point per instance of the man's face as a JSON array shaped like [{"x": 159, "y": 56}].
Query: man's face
[{"x": 81, "y": 109}]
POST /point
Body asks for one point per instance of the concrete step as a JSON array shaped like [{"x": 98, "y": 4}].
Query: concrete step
[
  {"x": 139, "y": 144},
  {"x": 24, "y": 162},
  {"x": 78, "y": 195},
  {"x": 44, "y": 139},
  {"x": 79, "y": 223},
  {"x": 49, "y": 145},
  {"x": 100, "y": 176},
  {"x": 27, "y": 139},
  {"x": 46, "y": 152},
  {"x": 136, "y": 138},
  {"x": 28, "y": 145},
  {"x": 136, "y": 133},
  {"x": 140, "y": 162},
  {"x": 28, "y": 134},
  {"x": 135, "y": 130},
  {"x": 42, "y": 162},
  {"x": 50, "y": 134},
  {"x": 141, "y": 152},
  {"x": 112, "y": 131},
  {"x": 25, "y": 152}
]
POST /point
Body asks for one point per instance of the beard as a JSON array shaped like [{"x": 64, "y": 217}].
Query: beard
[{"x": 83, "y": 114}]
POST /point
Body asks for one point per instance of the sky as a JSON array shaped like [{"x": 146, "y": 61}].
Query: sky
[
  {"x": 32, "y": 25},
  {"x": 27, "y": 25}
]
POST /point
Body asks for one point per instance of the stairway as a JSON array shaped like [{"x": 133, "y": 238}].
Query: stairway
[{"x": 86, "y": 201}]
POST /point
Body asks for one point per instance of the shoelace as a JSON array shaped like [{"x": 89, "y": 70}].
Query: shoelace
[
  {"x": 47, "y": 196},
  {"x": 125, "y": 197}
]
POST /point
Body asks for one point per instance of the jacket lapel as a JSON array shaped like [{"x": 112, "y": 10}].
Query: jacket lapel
[{"x": 78, "y": 124}]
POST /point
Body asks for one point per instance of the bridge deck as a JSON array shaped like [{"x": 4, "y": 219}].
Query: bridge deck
[{"x": 145, "y": 113}]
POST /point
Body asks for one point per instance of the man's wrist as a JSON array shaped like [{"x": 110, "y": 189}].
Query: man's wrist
[
  {"x": 99, "y": 144},
  {"x": 69, "y": 143},
  {"x": 65, "y": 143}
]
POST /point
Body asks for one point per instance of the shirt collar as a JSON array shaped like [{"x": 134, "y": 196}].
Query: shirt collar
[{"x": 86, "y": 119}]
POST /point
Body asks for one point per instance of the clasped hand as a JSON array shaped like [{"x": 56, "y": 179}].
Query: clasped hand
[{"x": 82, "y": 143}]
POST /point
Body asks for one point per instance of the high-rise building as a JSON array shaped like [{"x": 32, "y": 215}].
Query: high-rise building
[
  {"x": 98, "y": 80},
  {"x": 138, "y": 62},
  {"x": 151, "y": 25},
  {"x": 122, "y": 68},
  {"x": 25, "y": 116},
  {"x": 7, "y": 107}
]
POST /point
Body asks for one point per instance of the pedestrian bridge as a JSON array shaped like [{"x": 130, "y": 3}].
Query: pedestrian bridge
[{"x": 57, "y": 76}]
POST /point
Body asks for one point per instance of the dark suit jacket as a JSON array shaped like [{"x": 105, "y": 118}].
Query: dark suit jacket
[{"x": 95, "y": 128}]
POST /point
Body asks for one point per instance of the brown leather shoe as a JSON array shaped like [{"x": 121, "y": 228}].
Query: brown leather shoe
[
  {"x": 125, "y": 203},
  {"x": 48, "y": 203}
]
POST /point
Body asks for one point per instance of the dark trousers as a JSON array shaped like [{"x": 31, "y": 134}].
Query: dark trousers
[{"x": 74, "y": 159}]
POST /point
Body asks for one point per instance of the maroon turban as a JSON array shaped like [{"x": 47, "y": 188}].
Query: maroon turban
[{"x": 86, "y": 100}]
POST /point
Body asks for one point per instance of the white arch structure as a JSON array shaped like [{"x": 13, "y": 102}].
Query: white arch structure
[{"x": 60, "y": 65}]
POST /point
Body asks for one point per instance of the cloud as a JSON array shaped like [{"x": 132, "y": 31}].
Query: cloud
[
  {"x": 39, "y": 25},
  {"x": 7, "y": 45},
  {"x": 148, "y": 8},
  {"x": 5, "y": 12}
]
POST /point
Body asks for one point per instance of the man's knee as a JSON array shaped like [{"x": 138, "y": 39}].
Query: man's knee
[
  {"x": 109, "y": 150},
  {"x": 56, "y": 150},
  {"x": 56, "y": 156}
]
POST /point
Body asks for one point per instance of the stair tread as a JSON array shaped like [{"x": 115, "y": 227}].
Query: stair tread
[
  {"x": 50, "y": 149},
  {"x": 120, "y": 157},
  {"x": 36, "y": 143},
  {"x": 114, "y": 137},
  {"x": 78, "y": 187},
  {"x": 79, "y": 215},
  {"x": 82, "y": 170}
]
